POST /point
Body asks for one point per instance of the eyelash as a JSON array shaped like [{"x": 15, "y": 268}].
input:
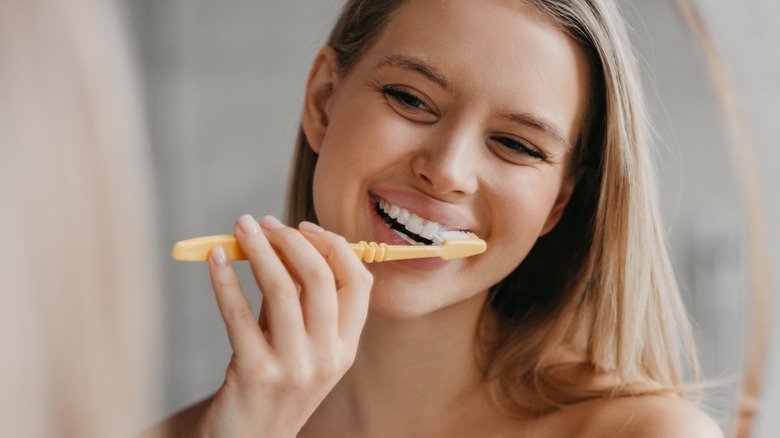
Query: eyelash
[
  {"x": 520, "y": 147},
  {"x": 410, "y": 100},
  {"x": 406, "y": 99}
]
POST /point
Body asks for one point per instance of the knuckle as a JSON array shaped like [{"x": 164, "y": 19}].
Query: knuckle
[
  {"x": 325, "y": 374},
  {"x": 334, "y": 242},
  {"x": 264, "y": 377},
  {"x": 278, "y": 287},
  {"x": 321, "y": 277},
  {"x": 366, "y": 279},
  {"x": 333, "y": 364},
  {"x": 286, "y": 236},
  {"x": 340, "y": 240},
  {"x": 300, "y": 377},
  {"x": 349, "y": 346},
  {"x": 225, "y": 282},
  {"x": 251, "y": 245},
  {"x": 255, "y": 371},
  {"x": 240, "y": 314},
  {"x": 256, "y": 362},
  {"x": 347, "y": 363}
]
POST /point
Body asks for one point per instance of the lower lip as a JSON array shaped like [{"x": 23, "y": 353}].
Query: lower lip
[{"x": 383, "y": 233}]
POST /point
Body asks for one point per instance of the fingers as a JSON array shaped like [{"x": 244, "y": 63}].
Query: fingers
[
  {"x": 334, "y": 285},
  {"x": 283, "y": 310},
  {"x": 306, "y": 265},
  {"x": 243, "y": 332},
  {"x": 352, "y": 278},
  {"x": 315, "y": 299}
]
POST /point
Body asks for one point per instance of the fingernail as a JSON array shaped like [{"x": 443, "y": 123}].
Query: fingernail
[
  {"x": 310, "y": 227},
  {"x": 218, "y": 255},
  {"x": 248, "y": 224},
  {"x": 271, "y": 223}
]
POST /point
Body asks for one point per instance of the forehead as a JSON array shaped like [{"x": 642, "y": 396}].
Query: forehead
[
  {"x": 487, "y": 26},
  {"x": 502, "y": 50}
]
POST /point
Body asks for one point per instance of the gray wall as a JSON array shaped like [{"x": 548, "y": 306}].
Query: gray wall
[{"x": 224, "y": 83}]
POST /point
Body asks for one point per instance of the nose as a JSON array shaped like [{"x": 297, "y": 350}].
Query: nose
[{"x": 447, "y": 164}]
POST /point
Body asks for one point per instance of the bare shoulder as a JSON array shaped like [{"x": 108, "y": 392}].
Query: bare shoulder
[
  {"x": 649, "y": 416},
  {"x": 180, "y": 424}
]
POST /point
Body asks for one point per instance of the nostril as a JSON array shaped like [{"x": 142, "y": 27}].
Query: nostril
[{"x": 449, "y": 173}]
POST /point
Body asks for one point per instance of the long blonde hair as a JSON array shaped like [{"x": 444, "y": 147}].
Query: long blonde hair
[
  {"x": 76, "y": 312},
  {"x": 604, "y": 270}
]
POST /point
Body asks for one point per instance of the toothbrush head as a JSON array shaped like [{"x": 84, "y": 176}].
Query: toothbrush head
[{"x": 459, "y": 244}]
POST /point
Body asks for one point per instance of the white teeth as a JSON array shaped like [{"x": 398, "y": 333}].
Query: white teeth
[
  {"x": 415, "y": 224},
  {"x": 429, "y": 230}
]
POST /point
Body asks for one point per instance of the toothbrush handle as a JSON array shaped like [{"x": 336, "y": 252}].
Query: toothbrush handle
[
  {"x": 197, "y": 250},
  {"x": 371, "y": 252}
]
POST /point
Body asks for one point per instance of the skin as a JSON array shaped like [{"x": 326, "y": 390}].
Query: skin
[
  {"x": 444, "y": 159},
  {"x": 472, "y": 129}
]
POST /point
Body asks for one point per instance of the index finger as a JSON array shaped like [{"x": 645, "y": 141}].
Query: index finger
[{"x": 243, "y": 332}]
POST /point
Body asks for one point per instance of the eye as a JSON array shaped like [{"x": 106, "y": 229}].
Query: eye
[
  {"x": 405, "y": 98},
  {"x": 408, "y": 101},
  {"x": 519, "y": 150}
]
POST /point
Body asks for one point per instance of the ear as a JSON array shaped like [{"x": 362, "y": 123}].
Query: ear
[
  {"x": 323, "y": 79},
  {"x": 560, "y": 204}
]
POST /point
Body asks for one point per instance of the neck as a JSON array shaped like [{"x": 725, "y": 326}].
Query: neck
[{"x": 408, "y": 371}]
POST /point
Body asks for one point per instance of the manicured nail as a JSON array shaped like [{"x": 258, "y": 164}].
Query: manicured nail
[
  {"x": 248, "y": 224},
  {"x": 271, "y": 223},
  {"x": 310, "y": 227},
  {"x": 219, "y": 255}
]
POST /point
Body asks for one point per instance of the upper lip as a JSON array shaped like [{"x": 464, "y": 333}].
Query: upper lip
[{"x": 427, "y": 208}]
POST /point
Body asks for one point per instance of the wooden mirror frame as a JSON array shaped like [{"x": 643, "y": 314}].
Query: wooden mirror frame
[{"x": 758, "y": 271}]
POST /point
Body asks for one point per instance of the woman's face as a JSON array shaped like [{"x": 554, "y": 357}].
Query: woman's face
[{"x": 463, "y": 114}]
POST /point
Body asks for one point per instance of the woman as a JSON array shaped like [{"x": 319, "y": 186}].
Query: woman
[{"x": 520, "y": 121}]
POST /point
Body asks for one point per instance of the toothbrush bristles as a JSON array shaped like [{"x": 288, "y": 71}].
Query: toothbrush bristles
[{"x": 441, "y": 236}]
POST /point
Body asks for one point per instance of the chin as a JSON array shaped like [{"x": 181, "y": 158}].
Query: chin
[
  {"x": 394, "y": 310},
  {"x": 394, "y": 298}
]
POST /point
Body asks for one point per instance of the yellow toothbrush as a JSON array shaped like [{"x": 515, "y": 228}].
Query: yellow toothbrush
[{"x": 454, "y": 245}]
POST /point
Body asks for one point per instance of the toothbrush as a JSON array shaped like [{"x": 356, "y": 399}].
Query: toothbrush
[{"x": 454, "y": 245}]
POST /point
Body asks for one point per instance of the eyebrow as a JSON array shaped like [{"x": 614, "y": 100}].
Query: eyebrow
[
  {"x": 417, "y": 65},
  {"x": 526, "y": 119},
  {"x": 540, "y": 124}
]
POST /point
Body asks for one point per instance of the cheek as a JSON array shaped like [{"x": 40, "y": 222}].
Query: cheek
[
  {"x": 365, "y": 130},
  {"x": 359, "y": 148},
  {"x": 520, "y": 209}
]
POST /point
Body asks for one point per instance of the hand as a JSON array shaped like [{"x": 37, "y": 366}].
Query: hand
[{"x": 315, "y": 301}]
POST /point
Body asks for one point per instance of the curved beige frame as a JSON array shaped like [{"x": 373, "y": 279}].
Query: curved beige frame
[{"x": 759, "y": 276}]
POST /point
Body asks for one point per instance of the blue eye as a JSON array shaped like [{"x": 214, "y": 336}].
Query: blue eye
[
  {"x": 406, "y": 99},
  {"x": 519, "y": 148}
]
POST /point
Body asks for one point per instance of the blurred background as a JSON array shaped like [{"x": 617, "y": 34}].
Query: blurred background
[{"x": 223, "y": 89}]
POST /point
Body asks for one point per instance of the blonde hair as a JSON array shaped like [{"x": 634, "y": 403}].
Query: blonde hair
[
  {"x": 76, "y": 310},
  {"x": 604, "y": 270}
]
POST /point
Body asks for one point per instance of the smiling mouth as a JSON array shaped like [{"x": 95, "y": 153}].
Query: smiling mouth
[{"x": 409, "y": 226}]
